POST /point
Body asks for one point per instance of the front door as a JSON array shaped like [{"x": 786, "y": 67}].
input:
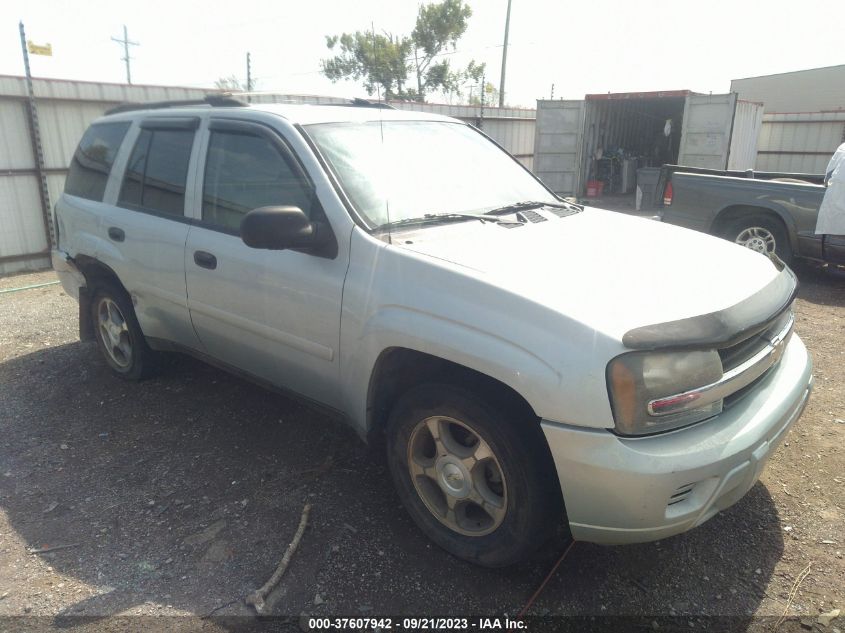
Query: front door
[{"x": 273, "y": 314}]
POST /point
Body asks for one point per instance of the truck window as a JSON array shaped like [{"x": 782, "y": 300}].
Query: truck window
[
  {"x": 157, "y": 172},
  {"x": 244, "y": 172},
  {"x": 93, "y": 159}
]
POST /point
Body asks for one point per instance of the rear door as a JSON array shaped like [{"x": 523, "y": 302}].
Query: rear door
[
  {"x": 144, "y": 227},
  {"x": 557, "y": 149},
  {"x": 273, "y": 314},
  {"x": 706, "y": 130}
]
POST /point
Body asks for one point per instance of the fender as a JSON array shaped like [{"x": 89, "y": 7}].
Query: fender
[{"x": 520, "y": 369}]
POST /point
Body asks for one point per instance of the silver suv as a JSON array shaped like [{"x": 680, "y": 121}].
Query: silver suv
[{"x": 526, "y": 363}]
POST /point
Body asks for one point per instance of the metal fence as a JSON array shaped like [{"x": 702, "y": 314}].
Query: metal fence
[
  {"x": 66, "y": 108},
  {"x": 799, "y": 142}
]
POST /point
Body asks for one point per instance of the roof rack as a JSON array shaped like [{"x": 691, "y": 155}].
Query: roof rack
[
  {"x": 366, "y": 103},
  {"x": 215, "y": 101}
]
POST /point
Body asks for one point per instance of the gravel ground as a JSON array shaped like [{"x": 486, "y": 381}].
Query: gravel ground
[{"x": 179, "y": 495}]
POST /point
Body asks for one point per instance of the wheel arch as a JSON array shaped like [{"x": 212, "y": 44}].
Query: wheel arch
[
  {"x": 398, "y": 369},
  {"x": 735, "y": 211},
  {"x": 96, "y": 274}
]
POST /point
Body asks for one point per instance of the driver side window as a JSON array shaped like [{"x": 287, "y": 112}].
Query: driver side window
[{"x": 244, "y": 172}]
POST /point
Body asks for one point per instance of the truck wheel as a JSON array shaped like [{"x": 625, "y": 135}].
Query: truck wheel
[
  {"x": 761, "y": 234},
  {"x": 479, "y": 484},
  {"x": 118, "y": 334}
]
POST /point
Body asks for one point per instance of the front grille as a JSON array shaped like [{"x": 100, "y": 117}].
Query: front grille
[{"x": 737, "y": 354}]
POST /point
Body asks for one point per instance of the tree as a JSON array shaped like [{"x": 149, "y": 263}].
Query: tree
[
  {"x": 377, "y": 59},
  {"x": 491, "y": 95},
  {"x": 385, "y": 61}
]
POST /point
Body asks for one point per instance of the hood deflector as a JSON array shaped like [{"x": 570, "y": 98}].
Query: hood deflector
[{"x": 724, "y": 327}]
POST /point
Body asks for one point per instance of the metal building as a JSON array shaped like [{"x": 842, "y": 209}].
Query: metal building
[
  {"x": 66, "y": 108},
  {"x": 813, "y": 90},
  {"x": 804, "y": 120}
]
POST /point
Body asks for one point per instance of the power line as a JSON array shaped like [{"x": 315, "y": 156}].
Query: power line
[{"x": 126, "y": 44}]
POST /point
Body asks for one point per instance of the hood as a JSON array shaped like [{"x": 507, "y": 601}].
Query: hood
[{"x": 610, "y": 271}]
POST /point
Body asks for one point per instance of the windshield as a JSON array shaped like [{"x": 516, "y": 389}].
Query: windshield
[{"x": 398, "y": 170}]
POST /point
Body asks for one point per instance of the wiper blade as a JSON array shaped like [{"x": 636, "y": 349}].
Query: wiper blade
[
  {"x": 437, "y": 218},
  {"x": 531, "y": 204}
]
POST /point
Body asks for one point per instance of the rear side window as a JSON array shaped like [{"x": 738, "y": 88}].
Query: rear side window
[
  {"x": 157, "y": 172},
  {"x": 244, "y": 172},
  {"x": 93, "y": 160}
]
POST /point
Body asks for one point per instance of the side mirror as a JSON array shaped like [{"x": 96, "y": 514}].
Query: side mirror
[{"x": 279, "y": 228}]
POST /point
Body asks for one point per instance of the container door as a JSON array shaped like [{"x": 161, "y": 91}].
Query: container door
[
  {"x": 557, "y": 145},
  {"x": 748, "y": 119},
  {"x": 706, "y": 130}
]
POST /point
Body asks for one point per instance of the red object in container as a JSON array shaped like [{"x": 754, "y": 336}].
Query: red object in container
[{"x": 595, "y": 188}]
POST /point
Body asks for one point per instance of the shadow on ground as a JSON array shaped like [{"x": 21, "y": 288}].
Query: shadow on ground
[
  {"x": 822, "y": 285},
  {"x": 185, "y": 490}
]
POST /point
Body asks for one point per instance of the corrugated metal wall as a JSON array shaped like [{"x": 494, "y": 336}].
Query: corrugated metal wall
[
  {"x": 800, "y": 142},
  {"x": 66, "y": 108},
  {"x": 512, "y": 128}
]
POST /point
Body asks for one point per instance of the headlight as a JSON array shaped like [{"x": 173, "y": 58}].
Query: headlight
[{"x": 656, "y": 391}]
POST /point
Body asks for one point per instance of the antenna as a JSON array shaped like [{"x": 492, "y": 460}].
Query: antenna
[{"x": 381, "y": 130}]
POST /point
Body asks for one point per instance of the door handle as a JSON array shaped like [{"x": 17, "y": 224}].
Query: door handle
[
  {"x": 116, "y": 234},
  {"x": 205, "y": 260}
]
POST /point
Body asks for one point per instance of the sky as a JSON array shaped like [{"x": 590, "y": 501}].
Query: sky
[{"x": 582, "y": 47}]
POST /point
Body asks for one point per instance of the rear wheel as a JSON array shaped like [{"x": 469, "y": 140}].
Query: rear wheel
[
  {"x": 478, "y": 482},
  {"x": 118, "y": 334},
  {"x": 759, "y": 233}
]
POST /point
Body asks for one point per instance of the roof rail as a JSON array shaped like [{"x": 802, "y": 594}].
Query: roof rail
[{"x": 215, "y": 101}]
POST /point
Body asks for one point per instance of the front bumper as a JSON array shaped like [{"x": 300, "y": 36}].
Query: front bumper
[{"x": 629, "y": 490}]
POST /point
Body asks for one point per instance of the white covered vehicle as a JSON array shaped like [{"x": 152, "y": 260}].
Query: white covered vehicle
[{"x": 526, "y": 363}]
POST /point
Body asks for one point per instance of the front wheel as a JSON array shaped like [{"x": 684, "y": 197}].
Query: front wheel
[
  {"x": 477, "y": 482},
  {"x": 760, "y": 233}
]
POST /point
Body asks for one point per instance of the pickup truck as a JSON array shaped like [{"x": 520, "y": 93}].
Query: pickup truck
[
  {"x": 764, "y": 211},
  {"x": 522, "y": 363}
]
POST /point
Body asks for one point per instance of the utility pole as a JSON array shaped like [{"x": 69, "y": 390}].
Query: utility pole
[
  {"x": 126, "y": 44},
  {"x": 483, "y": 86},
  {"x": 248, "y": 77},
  {"x": 504, "y": 58},
  {"x": 553, "y": 92}
]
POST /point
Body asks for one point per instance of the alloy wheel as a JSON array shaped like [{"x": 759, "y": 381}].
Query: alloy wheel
[
  {"x": 457, "y": 476},
  {"x": 114, "y": 333}
]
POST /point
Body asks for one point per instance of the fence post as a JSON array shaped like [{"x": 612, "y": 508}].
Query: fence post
[{"x": 37, "y": 150}]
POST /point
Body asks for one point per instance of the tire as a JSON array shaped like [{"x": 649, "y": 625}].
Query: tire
[
  {"x": 755, "y": 231},
  {"x": 515, "y": 477},
  {"x": 118, "y": 334}
]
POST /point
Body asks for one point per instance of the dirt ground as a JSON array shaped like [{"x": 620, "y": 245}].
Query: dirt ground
[{"x": 179, "y": 495}]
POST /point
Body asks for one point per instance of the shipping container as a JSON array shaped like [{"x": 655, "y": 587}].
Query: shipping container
[{"x": 605, "y": 138}]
